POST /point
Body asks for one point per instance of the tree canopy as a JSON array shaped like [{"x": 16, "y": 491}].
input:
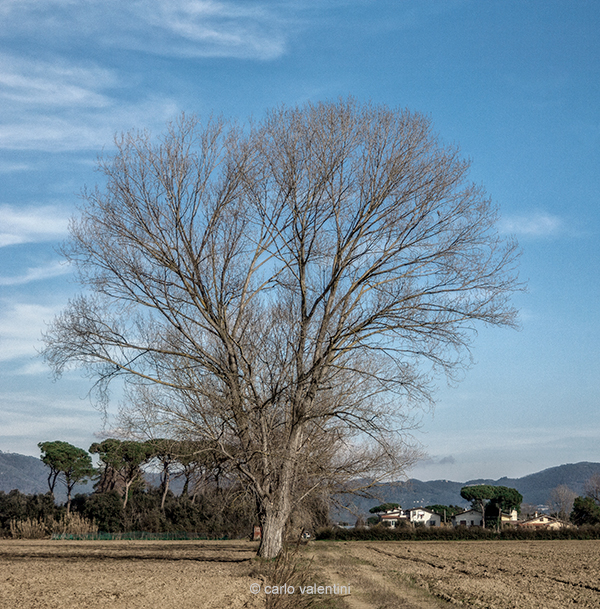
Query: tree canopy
[
  {"x": 585, "y": 511},
  {"x": 445, "y": 510},
  {"x": 285, "y": 291},
  {"x": 384, "y": 507},
  {"x": 67, "y": 463},
  {"x": 494, "y": 499}
]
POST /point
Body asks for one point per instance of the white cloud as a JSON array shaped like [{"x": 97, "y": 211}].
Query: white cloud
[
  {"x": 27, "y": 418},
  {"x": 87, "y": 129},
  {"x": 10, "y": 167},
  {"x": 190, "y": 28},
  {"x": 512, "y": 451},
  {"x": 35, "y": 367},
  {"x": 31, "y": 225},
  {"x": 536, "y": 224},
  {"x": 53, "y": 104},
  {"x": 21, "y": 326},
  {"x": 222, "y": 29},
  {"x": 52, "y": 83},
  {"x": 55, "y": 269},
  {"x": 57, "y": 106}
]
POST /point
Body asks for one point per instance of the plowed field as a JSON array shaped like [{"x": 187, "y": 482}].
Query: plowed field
[
  {"x": 494, "y": 575},
  {"x": 381, "y": 575},
  {"x": 126, "y": 575}
]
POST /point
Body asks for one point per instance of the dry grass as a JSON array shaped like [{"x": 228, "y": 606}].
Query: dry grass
[
  {"x": 28, "y": 529},
  {"x": 73, "y": 524},
  {"x": 293, "y": 570}
]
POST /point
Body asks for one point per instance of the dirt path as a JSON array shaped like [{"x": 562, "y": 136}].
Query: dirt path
[{"x": 374, "y": 583}]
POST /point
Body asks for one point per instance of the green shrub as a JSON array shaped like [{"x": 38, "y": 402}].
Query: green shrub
[{"x": 105, "y": 509}]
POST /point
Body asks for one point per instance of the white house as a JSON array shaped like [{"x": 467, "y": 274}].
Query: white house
[
  {"x": 392, "y": 517},
  {"x": 510, "y": 518},
  {"x": 544, "y": 521},
  {"x": 468, "y": 518},
  {"x": 425, "y": 516}
]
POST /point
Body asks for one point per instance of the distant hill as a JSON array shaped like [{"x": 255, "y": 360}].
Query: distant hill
[
  {"x": 535, "y": 488},
  {"x": 30, "y": 475},
  {"x": 27, "y": 474}
]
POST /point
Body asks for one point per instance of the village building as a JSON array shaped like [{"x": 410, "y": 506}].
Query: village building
[
  {"x": 510, "y": 519},
  {"x": 392, "y": 518},
  {"x": 425, "y": 517},
  {"x": 544, "y": 522},
  {"x": 468, "y": 518}
]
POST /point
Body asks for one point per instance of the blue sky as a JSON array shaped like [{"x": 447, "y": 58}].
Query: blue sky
[{"x": 515, "y": 84}]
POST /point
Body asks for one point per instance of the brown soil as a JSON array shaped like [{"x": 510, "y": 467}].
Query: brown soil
[
  {"x": 494, "y": 575},
  {"x": 126, "y": 574},
  {"x": 383, "y": 575}
]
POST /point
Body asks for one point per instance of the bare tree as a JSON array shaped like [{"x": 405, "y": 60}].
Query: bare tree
[
  {"x": 561, "y": 501},
  {"x": 592, "y": 488},
  {"x": 286, "y": 292},
  {"x": 528, "y": 510}
]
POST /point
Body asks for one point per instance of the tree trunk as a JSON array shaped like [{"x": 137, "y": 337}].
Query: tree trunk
[
  {"x": 52, "y": 481},
  {"x": 271, "y": 542},
  {"x": 127, "y": 487},
  {"x": 165, "y": 489}
]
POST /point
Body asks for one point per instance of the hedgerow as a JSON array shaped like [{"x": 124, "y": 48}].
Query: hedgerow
[{"x": 379, "y": 533}]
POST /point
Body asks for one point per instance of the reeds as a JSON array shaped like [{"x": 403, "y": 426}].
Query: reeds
[{"x": 73, "y": 524}]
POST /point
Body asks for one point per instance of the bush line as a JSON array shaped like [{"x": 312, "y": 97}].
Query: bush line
[{"x": 459, "y": 533}]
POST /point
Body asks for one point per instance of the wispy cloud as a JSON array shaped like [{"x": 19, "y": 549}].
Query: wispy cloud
[
  {"x": 49, "y": 271},
  {"x": 56, "y": 83},
  {"x": 31, "y": 225},
  {"x": 57, "y": 106},
  {"x": 27, "y": 418},
  {"x": 214, "y": 29},
  {"x": 12, "y": 167},
  {"x": 35, "y": 367},
  {"x": 537, "y": 224},
  {"x": 86, "y": 129},
  {"x": 191, "y": 28},
  {"x": 21, "y": 326}
]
